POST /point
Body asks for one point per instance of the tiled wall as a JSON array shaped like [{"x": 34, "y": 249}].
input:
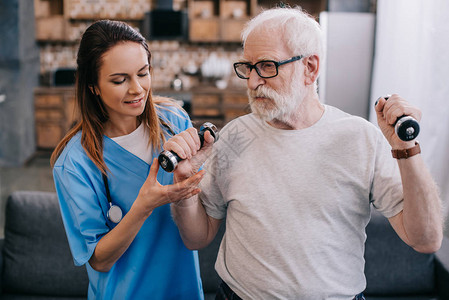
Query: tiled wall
[
  {"x": 169, "y": 59},
  {"x": 191, "y": 62}
]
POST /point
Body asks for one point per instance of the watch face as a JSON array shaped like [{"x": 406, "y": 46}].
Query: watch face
[{"x": 115, "y": 214}]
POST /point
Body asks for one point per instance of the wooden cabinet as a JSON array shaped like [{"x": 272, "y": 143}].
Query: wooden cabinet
[
  {"x": 204, "y": 30},
  {"x": 223, "y": 20},
  {"x": 235, "y": 105},
  {"x": 218, "y": 20},
  {"x": 54, "y": 113},
  {"x": 206, "y": 105},
  {"x": 106, "y": 9},
  {"x": 209, "y": 20},
  {"x": 218, "y": 106},
  {"x": 313, "y": 7}
]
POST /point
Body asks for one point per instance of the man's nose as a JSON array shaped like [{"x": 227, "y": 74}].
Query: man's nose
[{"x": 254, "y": 80}]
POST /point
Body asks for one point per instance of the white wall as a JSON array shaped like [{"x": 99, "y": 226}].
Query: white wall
[
  {"x": 412, "y": 59},
  {"x": 345, "y": 78}
]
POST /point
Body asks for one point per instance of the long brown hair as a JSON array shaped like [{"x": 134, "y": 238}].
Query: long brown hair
[{"x": 100, "y": 37}]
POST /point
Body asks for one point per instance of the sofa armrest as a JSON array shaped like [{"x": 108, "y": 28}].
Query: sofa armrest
[{"x": 442, "y": 269}]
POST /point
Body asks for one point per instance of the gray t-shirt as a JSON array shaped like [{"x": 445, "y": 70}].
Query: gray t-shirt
[{"x": 297, "y": 203}]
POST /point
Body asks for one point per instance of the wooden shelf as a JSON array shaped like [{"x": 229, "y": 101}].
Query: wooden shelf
[{"x": 55, "y": 114}]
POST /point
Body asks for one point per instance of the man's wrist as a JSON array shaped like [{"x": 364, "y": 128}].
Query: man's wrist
[{"x": 406, "y": 153}]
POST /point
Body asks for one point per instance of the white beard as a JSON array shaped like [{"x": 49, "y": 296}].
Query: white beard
[{"x": 277, "y": 106}]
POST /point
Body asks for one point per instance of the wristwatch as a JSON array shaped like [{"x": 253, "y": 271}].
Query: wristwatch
[{"x": 406, "y": 153}]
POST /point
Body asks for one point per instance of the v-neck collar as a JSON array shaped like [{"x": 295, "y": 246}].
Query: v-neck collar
[{"x": 116, "y": 153}]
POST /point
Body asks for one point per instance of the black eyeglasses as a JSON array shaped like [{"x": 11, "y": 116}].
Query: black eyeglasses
[{"x": 264, "y": 68}]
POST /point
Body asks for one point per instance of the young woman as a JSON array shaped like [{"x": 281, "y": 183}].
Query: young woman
[{"x": 111, "y": 194}]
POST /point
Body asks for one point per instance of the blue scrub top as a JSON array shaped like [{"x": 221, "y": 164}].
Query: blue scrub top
[{"x": 156, "y": 265}]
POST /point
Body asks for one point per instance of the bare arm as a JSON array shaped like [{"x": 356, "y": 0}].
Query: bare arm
[
  {"x": 152, "y": 195},
  {"x": 196, "y": 228},
  {"x": 420, "y": 223}
]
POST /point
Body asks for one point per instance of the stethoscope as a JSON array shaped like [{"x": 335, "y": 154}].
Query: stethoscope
[{"x": 115, "y": 213}]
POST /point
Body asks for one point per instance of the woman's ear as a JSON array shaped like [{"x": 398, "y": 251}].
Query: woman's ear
[
  {"x": 94, "y": 90},
  {"x": 311, "y": 69}
]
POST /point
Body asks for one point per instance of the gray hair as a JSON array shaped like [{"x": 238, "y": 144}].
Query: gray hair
[{"x": 302, "y": 34}]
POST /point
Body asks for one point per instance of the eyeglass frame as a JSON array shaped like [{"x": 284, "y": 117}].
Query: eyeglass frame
[{"x": 276, "y": 63}]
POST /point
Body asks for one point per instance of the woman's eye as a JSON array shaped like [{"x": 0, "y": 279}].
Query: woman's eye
[
  {"x": 143, "y": 74},
  {"x": 118, "y": 81}
]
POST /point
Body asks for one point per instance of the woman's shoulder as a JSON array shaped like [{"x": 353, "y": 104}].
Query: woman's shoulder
[
  {"x": 73, "y": 152},
  {"x": 169, "y": 107},
  {"x": 171, "y": 112}
]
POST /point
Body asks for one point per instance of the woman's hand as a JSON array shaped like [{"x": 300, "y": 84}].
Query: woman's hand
[{"x": 152, "y": 194}]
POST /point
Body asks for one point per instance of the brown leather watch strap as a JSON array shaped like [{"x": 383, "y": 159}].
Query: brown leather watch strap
[{"x": 406, "y": 153}]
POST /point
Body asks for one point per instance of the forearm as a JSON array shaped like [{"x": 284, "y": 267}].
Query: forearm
[
  {"x": 422, "y": 213},
  {"x": 112, "y": 246},
  {"x": 194, "y": 224}
]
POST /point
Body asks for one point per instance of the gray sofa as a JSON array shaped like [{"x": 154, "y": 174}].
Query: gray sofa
[
  {"x": 395, "y": 271},
  {"x": 36, "y": 263}
]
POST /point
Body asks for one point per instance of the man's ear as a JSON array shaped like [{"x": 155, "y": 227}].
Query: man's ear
[{"x": 311, "y": 69}]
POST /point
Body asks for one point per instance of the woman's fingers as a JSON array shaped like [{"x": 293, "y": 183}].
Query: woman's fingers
[{"x": 186, "y": 188}]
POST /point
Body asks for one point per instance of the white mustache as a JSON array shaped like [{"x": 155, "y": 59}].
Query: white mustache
[{"x": 262, "y": 92}]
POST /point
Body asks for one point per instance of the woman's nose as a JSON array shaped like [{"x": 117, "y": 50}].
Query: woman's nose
[{"x": 135, "y": 87}]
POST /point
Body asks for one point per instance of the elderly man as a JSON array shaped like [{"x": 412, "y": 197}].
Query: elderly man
[{"x": 296, "y": 179}]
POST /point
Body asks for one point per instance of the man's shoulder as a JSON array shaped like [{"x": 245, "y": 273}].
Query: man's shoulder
[
  {"x": 248, "y": 120},
  {"x": 336, "y": 114}
]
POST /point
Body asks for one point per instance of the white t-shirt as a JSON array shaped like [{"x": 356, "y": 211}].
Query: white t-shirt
[
  {"x": 297, "y": 203},
  {"x": 137, "y": 143}
]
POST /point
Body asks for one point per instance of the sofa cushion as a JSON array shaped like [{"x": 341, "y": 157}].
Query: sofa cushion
[
  {"x": 391, "y": 266},
  {"x": 36, "y": 255}
]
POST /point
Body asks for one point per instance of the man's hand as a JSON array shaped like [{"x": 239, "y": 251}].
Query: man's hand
[
  {"x": 387, "y": 114},
  {"x": 187, "y": 146}
]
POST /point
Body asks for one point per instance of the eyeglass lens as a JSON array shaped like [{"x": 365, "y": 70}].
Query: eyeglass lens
[{"x": 263, "y": 68}]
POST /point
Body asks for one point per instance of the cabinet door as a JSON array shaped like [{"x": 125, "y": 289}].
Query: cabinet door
[
  {"x": 235, "y": 106},
  {"x": 236, "y": 100},
  {"x": 54, "y": 115},
  {"x": 71, "y": 113},
  {"x": 49, "y": 114},
  {"x": 52, "y": 28},
  {"x": 231, "y": 113},
  {"x": 48, "y": 100},
  {"x": 206, "y": 105},
  {"x": 48, "y": 134},
  {"x": 202, "y": 30},
  {"x": 231, "y": 30}
]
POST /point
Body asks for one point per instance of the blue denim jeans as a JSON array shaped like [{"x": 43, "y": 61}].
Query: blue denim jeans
[{"x": 359, "y": 297}]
